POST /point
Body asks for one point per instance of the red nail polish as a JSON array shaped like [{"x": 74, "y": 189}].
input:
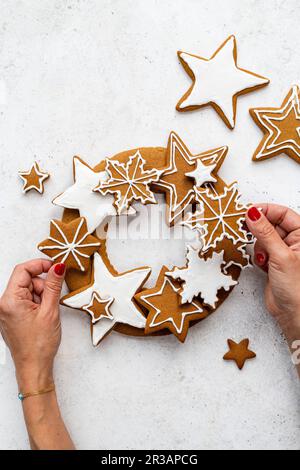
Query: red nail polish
[
  {"x": 254, "y": 214},
  {"x": 260, "y": 258},
  {"x": 59, "y": 269}
]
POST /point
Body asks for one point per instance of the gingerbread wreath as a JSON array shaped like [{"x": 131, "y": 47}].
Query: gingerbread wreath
[{"x": 196, "y": 197}]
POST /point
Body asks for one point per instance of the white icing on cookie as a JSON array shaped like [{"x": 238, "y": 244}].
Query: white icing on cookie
[
  {"x": 202, "y": 174},
  {"x": 107, "y": 302},
  {"x": 202, "y": 277},
  {"x": 129, "y": 182},
  {"x": 94, "y": 207},
  {"x": 218, "y": 80},
  {"x": 42, "y": 177},
  {"x": 67, "y": 248},
  {"x": 121, "y": 288},
  {"x": 155, "y": 322},
  {"x": 223, "y": 217},
  {"x": 269, "y": 117}
]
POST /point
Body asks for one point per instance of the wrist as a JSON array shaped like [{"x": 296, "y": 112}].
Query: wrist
[{"x": 32, "y": 378}]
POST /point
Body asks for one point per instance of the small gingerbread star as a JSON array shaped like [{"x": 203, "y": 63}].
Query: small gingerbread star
[
  {"x": 99, "y": 308},
  {"x": 34, "y": 179},
  {"x": 239, "y": 352}
]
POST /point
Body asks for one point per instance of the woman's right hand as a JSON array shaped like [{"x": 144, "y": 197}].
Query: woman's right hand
[{"x": 277, "y": 252}]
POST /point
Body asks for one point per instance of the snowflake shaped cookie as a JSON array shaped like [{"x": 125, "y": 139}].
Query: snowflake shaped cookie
[
  {"x": 70, "y": 244},
  {"x": 202, "y": 277},
  {"x": 220, "y": 216},
  {"x": 129, "y": 182}
]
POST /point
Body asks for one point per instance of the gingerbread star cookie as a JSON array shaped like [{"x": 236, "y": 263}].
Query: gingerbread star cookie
[
  {"x": 121, "y": 288},
  {"x": 239, "y": 352},
  {"x": 70, "y": 243},
  {"x": 94, "y": 207},
  {"x": 218, "y": 81},
  {"x": 165, "y": 308},
  {"x": 99, "y": 308},
  {"x": 34, "y": 179},
  {"x": 130, "y": 182},
  {"x": 202, "y": 277},
  {"x": 184, "y": 172},
  {"x": 220, "y": 216},
  {"x": 281, "y": 127}
]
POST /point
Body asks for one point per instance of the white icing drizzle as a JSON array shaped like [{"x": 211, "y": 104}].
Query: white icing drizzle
[
  {"x": 68, "y": 248},
  {"x": 218, "y": 80},
  {"x": 134, "y": 182},
  {"x": 202, "y": 277},
  {"x": 198, "y": 221},
  {"x": 273, "y": 143}
]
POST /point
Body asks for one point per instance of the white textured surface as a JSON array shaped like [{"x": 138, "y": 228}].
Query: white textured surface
[{"x": 97, "y": 77}]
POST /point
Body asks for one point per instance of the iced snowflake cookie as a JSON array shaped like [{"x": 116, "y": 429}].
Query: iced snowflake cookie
[
  {"x": 128, "y": 300},
  {"x": 281, "y": 127},
  {"x": 34, "y": 179},
  {"x": 218, "y": 81}
]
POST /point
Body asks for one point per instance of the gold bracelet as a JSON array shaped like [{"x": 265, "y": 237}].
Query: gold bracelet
[{"x": 49, "y": 389}]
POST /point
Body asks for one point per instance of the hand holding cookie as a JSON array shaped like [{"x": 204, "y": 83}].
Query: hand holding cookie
[
  {"x": 30, "y": 323},
  {"x": 277, "y": 230}
]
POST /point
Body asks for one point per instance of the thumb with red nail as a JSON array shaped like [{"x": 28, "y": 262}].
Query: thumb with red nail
[{"x": 277, "y": 252}]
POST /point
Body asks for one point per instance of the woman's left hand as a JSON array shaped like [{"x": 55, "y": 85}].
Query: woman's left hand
[{"x": 30, "y": 321}]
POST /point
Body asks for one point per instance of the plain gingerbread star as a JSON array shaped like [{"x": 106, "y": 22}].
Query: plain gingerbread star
[
  {"x": 218, "y": 81},
  {"x": 183, "y": 170},
  {"x": 281, "y": 127},
  {"x": 34, "y": 179},
  {"x": 165, "y": 309},
  {"x": 239, "y": 352}
]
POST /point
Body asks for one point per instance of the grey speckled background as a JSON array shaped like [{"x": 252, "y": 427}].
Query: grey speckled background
[{"x": 96, "y": 77}]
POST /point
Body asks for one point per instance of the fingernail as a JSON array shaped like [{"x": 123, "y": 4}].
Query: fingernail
[
  {"x": 254, "y": 214},
  {"x": 59, "y": 269},
  {"x": 260, "y": 258}
]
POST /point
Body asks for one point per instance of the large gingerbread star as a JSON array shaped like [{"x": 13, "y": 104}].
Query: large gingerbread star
[
  {"x": 281, "y": 127},
  {"x": 218, "y": 81},
  {"x": 94, "y": 207},
  {"x": 165, "y": 308},
  {"x": 34, "y": 179},
  {"x": 184, "y": 172},
  {"x": 121, "y": 288},
  {"x": 239, "y": 352}
]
